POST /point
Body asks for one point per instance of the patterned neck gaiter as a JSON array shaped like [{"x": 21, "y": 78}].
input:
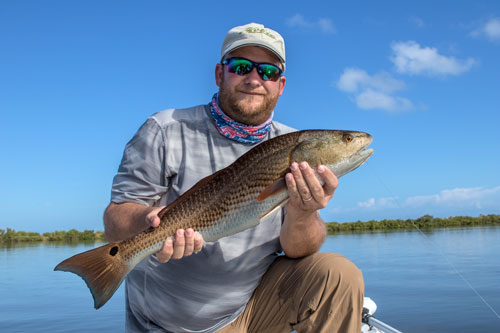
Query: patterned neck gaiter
[{"x": 236, "y": 131}]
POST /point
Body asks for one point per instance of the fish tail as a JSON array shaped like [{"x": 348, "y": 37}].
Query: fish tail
[{"x": 103, "y": 270}]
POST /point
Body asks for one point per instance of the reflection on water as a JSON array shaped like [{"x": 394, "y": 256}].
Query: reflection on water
[
  {"x": 412, "y": 278},
  {"x": 16, "y": 245}
]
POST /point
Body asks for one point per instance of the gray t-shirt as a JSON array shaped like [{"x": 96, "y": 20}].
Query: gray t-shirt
[{"x": 170, "y": 153}]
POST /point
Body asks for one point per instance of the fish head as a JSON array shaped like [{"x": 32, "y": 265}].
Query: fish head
[{"x": 340, "y": 151}]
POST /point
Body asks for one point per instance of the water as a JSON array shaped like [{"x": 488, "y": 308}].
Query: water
[
  {"x": 413, "y": 279},
  {"x": 34, "y": 298}
]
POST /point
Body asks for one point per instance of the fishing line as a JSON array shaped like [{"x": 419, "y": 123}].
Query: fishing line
[{"x": 428, "y": 239}]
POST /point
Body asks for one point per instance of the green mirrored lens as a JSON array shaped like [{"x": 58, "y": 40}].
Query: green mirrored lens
[
  {"x": 269, "y": 72},
  {"x": 240, "y": 66}
]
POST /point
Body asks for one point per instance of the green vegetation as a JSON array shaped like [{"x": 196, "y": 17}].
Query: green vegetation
[
  {"x": 424, "y": 222},
  {"x": 73, "y": 235}
]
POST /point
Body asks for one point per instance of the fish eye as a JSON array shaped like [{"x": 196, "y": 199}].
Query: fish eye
[
  {"x": 347, "y": 138},
  {"x": 113, "y": 251}
]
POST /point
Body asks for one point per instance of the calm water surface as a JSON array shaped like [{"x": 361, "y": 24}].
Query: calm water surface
[{"x": 412, "y": 278}]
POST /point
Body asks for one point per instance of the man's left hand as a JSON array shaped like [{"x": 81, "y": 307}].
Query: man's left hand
[
  {"x": 307, "y": 195},
  {"x": 303, "y": 230}
]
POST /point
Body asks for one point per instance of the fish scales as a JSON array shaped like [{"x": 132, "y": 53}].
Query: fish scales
[
  {"x": 229, "y": 201},
  {"x": 189, "y": 213}
]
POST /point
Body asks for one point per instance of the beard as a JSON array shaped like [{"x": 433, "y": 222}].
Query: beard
[{"x": 244, "y": 110}]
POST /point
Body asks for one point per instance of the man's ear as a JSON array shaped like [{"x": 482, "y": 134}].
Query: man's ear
[
  {"x": 282, "y": 84},
  {"x": 219, "y": 72}
]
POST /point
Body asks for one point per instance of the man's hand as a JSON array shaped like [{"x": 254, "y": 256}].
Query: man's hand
[
  {"x": 186, "y": 241},
  {"x": 303, "y": 231},
  {"x": 306, "y": 193}
]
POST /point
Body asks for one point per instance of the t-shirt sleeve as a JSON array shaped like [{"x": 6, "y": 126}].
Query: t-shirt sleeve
[{"x": 142, "y": 177}]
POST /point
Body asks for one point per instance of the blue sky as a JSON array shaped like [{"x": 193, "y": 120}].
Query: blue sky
[{"x": 77, "y": 79}]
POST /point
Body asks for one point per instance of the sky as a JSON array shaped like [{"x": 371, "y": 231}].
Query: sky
[{"x": 78, "y": 78}]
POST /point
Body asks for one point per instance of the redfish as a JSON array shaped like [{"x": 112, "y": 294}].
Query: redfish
[{"x": 229, "y": 201}]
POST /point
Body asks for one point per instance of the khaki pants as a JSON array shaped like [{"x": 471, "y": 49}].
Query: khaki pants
[{"x": 322, "y": 292}]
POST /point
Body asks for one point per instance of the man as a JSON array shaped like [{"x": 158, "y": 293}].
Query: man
[{"x": 238, "y": 283}]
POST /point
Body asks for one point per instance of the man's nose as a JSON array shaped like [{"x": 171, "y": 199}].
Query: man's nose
[{"x": 253, "y": 77}]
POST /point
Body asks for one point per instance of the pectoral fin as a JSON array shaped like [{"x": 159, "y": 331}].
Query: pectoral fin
[{"x": 273, "y": 189}]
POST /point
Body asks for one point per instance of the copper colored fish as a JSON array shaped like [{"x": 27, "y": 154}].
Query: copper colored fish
[{"x": 231, "y": 200}]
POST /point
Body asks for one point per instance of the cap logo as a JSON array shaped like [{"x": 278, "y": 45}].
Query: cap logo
[{"x": 254, "y": 30}]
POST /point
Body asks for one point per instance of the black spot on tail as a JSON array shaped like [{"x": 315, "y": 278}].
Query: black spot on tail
[{"x": 113, "y": 251}]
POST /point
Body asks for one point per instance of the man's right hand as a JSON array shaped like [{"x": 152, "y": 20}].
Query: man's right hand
[{"x": 185, "y": 244}]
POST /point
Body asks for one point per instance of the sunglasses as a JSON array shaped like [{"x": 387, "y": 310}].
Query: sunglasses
[{"x": 242, "y": 66}]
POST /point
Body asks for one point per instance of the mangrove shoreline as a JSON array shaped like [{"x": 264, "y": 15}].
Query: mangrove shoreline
[{"x": 425, "y": 222}]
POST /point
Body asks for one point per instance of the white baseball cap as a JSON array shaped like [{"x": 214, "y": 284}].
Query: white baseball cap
[{"x": 257, "y": 35}]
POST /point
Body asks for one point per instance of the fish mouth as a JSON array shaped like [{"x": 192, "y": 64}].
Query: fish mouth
[
  {"x": 364, "y": 152},
  {"x": 355, "y": 160},
  {"x": 359, "y": 158}
]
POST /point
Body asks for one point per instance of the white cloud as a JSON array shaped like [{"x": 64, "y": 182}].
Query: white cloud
[
  {"x": 463, "y": 198},
  {"x": 326, "y": 25},
  {"x": 323, "y": 24},
  {"x": 297, "y": 21},
  {"x": 372, "y": 203},
  {"x": 470, "y": 201},
  {"x": 371, "y": 99},
  {"x": 389, "y": 202},
  {"x": 417, "y": 21},
  {"x": 367, "y": 204},
  {"x": 475, "y": 197},
  {"x": 354, "y": 79},
  {"x": 378, "y": 91},
  {"x": 490, "y": 29},
  {"x": 410, "y": 58},
  {"x": 374, "y": 92}
]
